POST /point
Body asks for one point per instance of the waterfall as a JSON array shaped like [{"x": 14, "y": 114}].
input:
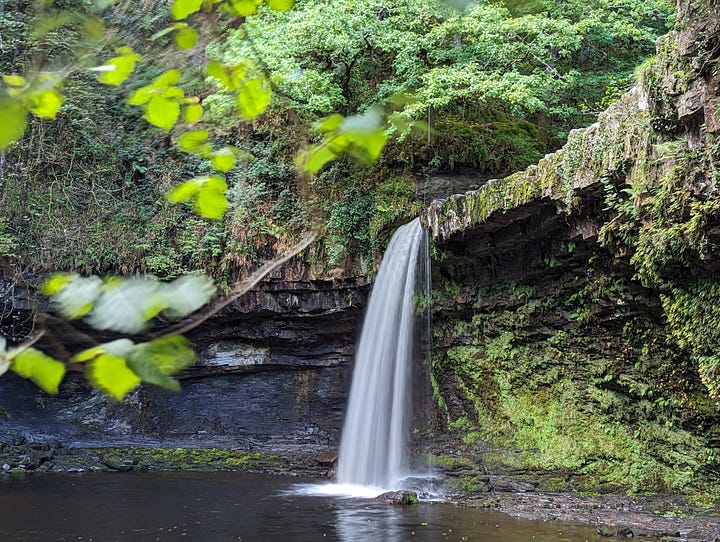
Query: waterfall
[{"x": 375, "y": 433}]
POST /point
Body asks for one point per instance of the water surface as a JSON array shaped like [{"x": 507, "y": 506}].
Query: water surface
[{"x": 213, "y": 507}]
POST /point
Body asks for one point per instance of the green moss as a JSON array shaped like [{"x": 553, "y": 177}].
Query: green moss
[{"x": 186, "y": 459}]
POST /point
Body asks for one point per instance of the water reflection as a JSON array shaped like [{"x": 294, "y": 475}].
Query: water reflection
[{"x": 216, "y": 507}]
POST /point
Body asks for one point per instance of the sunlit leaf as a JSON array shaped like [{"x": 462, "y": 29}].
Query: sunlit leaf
[
  {"x": 210, "y": 201},
  {"x": 142, "y": 95},
  {"x": 253, "y": 98},
  {"x": 117, "y": 70},
  {"x": 164, "y": 32},
  {"x": 185, "y": 191},
  {"x": 192, "y": 141},
  {"x": 45, "y": 371},
  {"x": 187, "y": 294},
  {"x": 127, "y": 305},
  {"x": 330, "y": 123},
  {"x": 14, "y": 121},
  {"x": 182, "y": 8},
  {"x": 167, "y": 79},
  {"x": 172, "y": 92},
  {"x": 15, "y": 80},
  {"x": 223, "y": 159},
  {"x": 162, "y": 113},
  {"x": 55, "y": 283},
  {"x": 218, "y": 71},
  {"x": 193, "y": 113},
  {"x": 280, "y": 5},
  {"x": 76, "y": 298},
  {"x": 112, "y": 375},
  {"x": 46, "y": 104},
  {"x": 186, "y": 38},
  {"x": 118, "y": 348},
  {"x": 243, "y": 8},
  {"x": 316, "y": 157}
]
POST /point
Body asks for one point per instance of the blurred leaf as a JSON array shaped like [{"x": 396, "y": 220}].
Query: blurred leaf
[
  {"x": 192, "y": 141},
  {"x": 182, "y": 8},
  {"x": 3, "y": 345},
  {"x": 127, "y": 305},
  {"x": 45, "y": 371},
  {"x": 223, "y": 159},
  {"x": 55, "y": 283},
  {"x": 187, "y": 294},
  {"x": 280, "y": 5},
  {"x": 167, "y": 79},
  {"x": 162, "y": 113},
  {"x": 170, "y": 354},
  {"x": 243, "y": 8},
  {"x": 211, "y": 201},
  {"x": 148, "y": 372},
  {"x": 316, "y": 157},
  {"x": 118, "y": 348},
  {"x": 186, "y": 38},
  {"x": 166, "y": 31},
  {"x": 112, "y": 375},
  {"x": 185, "y": 191},
  {"x": 75, "y": 298},
  {"x": 46, "y": 104},
  {"x": 218, "y": 71},
  {"x": 116, "y": 70},
  {"x": 142, "y": 95},
  {"x": 15, "y": 80},
  {"x": 14, "y": 120},
  {"x": 330, "y": 123},
  {"x": 193, "y": 113},
  {"x": 253, "y": 98}
]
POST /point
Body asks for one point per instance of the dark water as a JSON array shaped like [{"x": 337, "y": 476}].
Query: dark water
[{"x": 212, "y": 507}]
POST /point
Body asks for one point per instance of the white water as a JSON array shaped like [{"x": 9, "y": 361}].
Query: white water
[{"x": 374, "y": 437}]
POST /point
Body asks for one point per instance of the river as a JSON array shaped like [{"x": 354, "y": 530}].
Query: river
[{"x": 224, "y": 506}]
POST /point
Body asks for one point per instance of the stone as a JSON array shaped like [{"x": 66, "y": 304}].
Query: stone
[{"x": 398, "y": 497}]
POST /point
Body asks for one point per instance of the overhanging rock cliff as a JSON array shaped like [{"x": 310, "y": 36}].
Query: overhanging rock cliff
[{"x": 576, "y": 337}]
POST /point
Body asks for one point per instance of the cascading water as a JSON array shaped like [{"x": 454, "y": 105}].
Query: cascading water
[{"x": 375, "y": 433}]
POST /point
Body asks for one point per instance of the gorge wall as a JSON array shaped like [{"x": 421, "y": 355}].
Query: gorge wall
[{"x": 576, "y": 302}]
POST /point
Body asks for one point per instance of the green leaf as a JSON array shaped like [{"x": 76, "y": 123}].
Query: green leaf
[
  {"x": 165, "y": 31},
  {"x": 45, "y": 371},
  {"x": 56, "y": 283},
  {"x": 223, "y": 159},
  {"x": 243, "y": 8},
  {"x": 116, "y": 70},
  {"x": 162, "y": 113},
  {"x": 186, "y": 191},
  {"x": 167, "y": 79},
  {"x": 76, "y": 298},
  {"x": 170, "y": 354},
  {"x": 127, "y": 305},
  {"x": 193, "y": 141},
  {"x": 187, "y": 294},
  {"x": 193, "y": 113},
  {"x": 316, "y": 157},
  {"x": 329, "y": 124},
  {"x": 182, "y": 8},
  {"x": 118, "y": 348},
  {"x": 253, "y": 98},
  {"x": 112, "y": 375},
  {"x": 186, "y": 38},
  {"x": 280, "y": 5},
  {"x": 211, "y": 201},
  {"x": 14, "y": 121},
  {"x": 15, "y": 80},
  {"x": 46, "y": 104},
  {"x": 142, "y": 95},
  {"x": 148, "y": 372},
  {"x": 218, "y": 71}
]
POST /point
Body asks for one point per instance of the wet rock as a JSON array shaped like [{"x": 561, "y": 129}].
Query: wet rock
[{"x": 398, "y": 497}]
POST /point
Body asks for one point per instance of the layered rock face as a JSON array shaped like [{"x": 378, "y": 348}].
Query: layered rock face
[
  {"x": 272, "y": 378},
  {"x": 576, "y": 336}
]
